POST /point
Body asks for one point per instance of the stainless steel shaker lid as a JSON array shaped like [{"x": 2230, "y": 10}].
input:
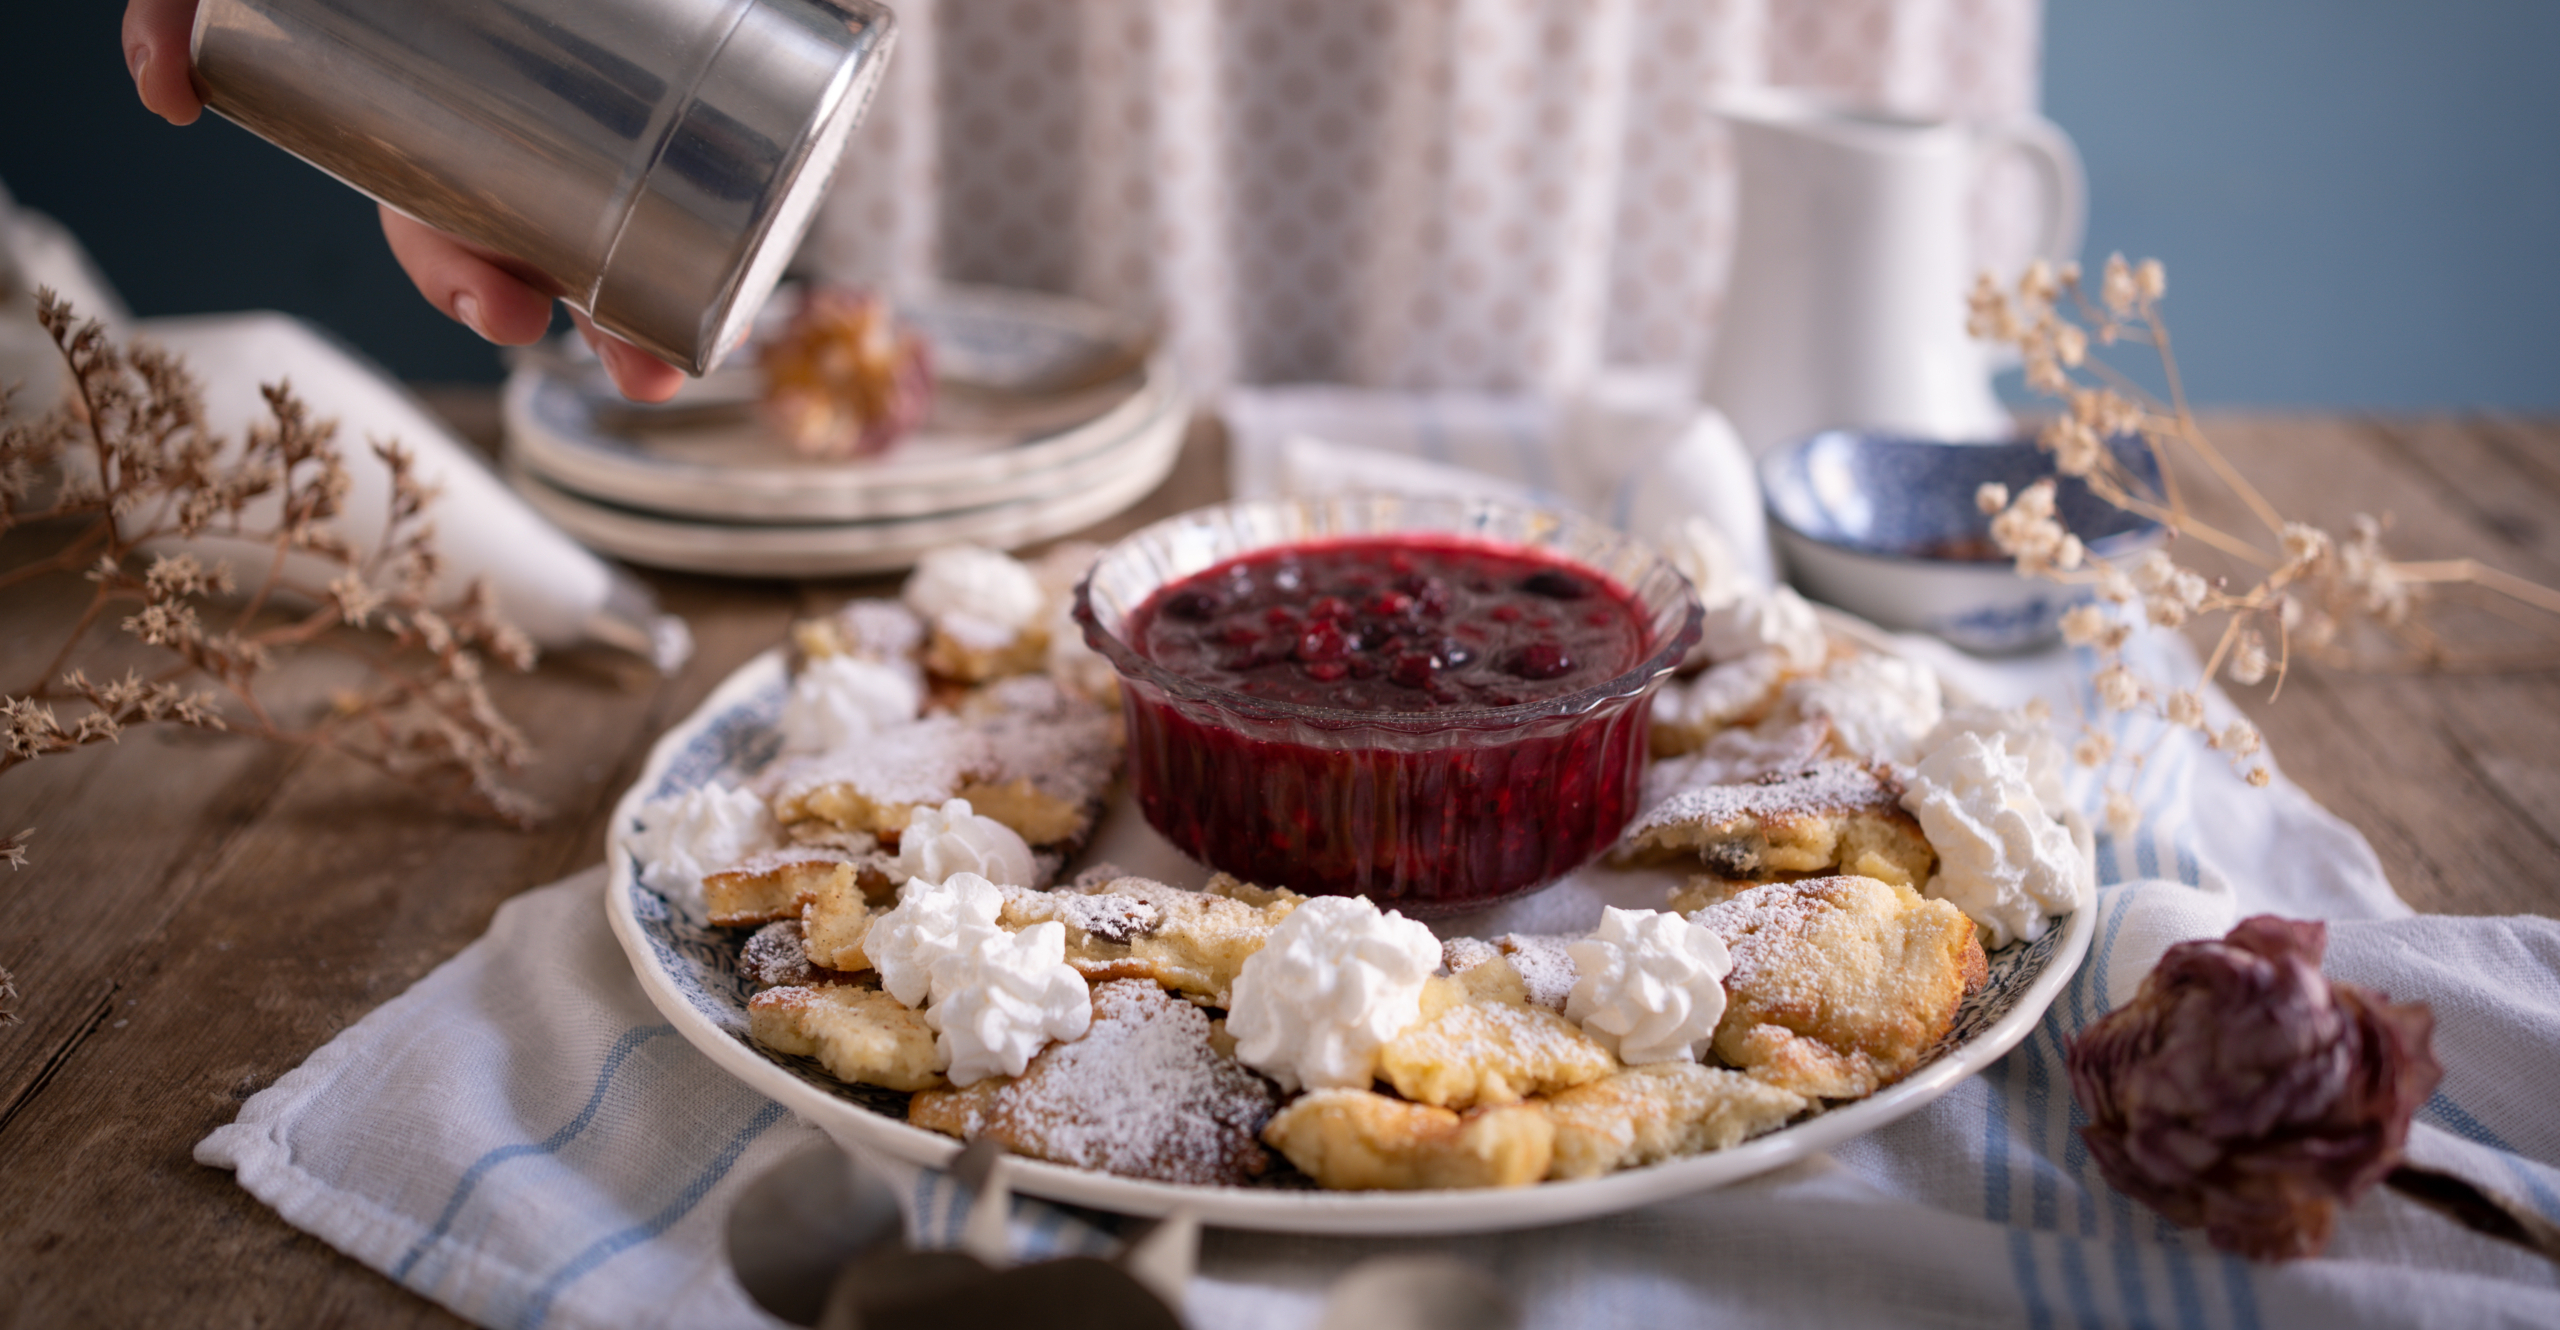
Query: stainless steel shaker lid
[{"x": 740, "y": 175}]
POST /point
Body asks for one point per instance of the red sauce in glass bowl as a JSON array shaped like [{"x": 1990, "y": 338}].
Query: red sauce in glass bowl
[{"x": 1431, "y": 720}]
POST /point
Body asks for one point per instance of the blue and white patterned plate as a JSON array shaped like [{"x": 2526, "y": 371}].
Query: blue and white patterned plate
[{"x": 690, "y": 972}]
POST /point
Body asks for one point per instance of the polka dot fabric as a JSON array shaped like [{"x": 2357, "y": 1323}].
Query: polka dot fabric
[{"x": 1416, "y": 194}]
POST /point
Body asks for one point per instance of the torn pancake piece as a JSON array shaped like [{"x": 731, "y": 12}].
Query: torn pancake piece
[
  {"x": 860, "y": 1035},
  {"x": 1840, "y": 985},
  {"x": 1483, "y": 1048},
  {"x": 1146, "y": 1093},
  {"x": 1357, "y": 1140},
  {"x": 1825, "y": 818},
  {"x": 1664, "y": 1110},
  {"x": 1193, "y": 942}
]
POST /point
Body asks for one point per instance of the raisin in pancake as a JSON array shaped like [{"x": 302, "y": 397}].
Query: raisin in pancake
[
  {"x": 1480, "y": 1043},
  {"x": 1663, "y": 1110},
  {"x": 1356, "y": 1140},
  {"x": 1146, "y": 1093},
  {"x": 1829, "y": 817},
  {"x": 1193, "y": 942},
  {"x": 861, "y": 1035},
  {"x": 777, "y": 956},
  {"x": 778, "y": 884},
  {"x": 1840, "y": 985}
]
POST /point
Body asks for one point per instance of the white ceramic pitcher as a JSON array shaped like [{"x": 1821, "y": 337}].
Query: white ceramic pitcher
[{"x": 1845, "y": 306}]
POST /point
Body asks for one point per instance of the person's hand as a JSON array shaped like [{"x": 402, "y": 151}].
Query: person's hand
[{"x": 482, "y": 291}]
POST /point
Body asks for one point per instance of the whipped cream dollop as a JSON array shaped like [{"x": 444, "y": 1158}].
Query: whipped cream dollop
[
  {"x": 2026, "y": 731},
  {"x": 838, "y": 700},
  {"x": 1742, "y": 616},
  {"x": 703, "y": 830},
  {"x": 932, "y": 922},
  {"x": 1006, "y": 997},
  {"x": 2002, "y": 857},
  {"x": 1776, "y": 619},
  {"x": 955, "y": 838},
  {"x": 1879, "y": 705},
  {"x": 1336, "y": 980},
  {"x": 1706, "y": 558},
  {"x": 1649, "y": 985},
  {"x": 981, "y": 598}
]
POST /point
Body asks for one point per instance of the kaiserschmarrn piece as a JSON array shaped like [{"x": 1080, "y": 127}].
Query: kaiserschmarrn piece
[
  {"x": 1358, "y": 1140},
  {"x": 1193, "y": 942},
  {"x": 1840, "y": 985},
  {"x": 1830, "y": 817},
  {"x": 779, "y": 884},
  {"x": 1146, "y": 1093},
  {"x": 861, "y": 1035},
  {"x": 1023, "y": 752},
  {"x": 1488, "y": 1046},
  {"x": 1664, "y": 1110}
]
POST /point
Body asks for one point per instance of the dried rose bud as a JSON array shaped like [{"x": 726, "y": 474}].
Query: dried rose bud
[
  {"x": 2243, "y": 1093},
  {"x": 842, "y": 380}
]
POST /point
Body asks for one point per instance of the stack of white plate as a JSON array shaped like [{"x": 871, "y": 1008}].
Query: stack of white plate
[{"x": 1048, "y": 416}]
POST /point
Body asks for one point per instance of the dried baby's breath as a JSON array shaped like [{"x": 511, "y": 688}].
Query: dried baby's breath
[
  {"x": 126, "y": 465},
  {"x": 2318, "y": 593}
]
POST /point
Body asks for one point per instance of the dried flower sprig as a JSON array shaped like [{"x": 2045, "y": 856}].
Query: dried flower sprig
[
  {"x": 128, "y": 465},
  {"x": 2314, "y": 590}
]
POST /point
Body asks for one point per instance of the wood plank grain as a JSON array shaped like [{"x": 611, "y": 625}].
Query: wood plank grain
[
  {"x": 2449, "y": 776},
  {"x": 332, "y": 893}
]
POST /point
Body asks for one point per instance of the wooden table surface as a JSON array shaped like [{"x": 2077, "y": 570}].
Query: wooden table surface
[{"x": 200, "y": 914}]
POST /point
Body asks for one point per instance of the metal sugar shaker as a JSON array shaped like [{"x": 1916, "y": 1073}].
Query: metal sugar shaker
[{"x": 654, "y": 161}]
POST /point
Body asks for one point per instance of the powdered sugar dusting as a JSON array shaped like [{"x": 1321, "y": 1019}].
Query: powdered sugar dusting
[
  {"x": 1546, "y": 968},
  {"x": 921, "y": 762},
  {"x": 1144, "y": 1093},
  {"x": 1820, "y": 790}
]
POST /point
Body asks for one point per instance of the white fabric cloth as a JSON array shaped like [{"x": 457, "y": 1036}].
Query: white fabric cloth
[
  {"x": 521, "y": 1138},
  {"x": 1400, "y": 193}
]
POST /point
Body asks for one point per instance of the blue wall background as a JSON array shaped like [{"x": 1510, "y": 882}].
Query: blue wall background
[{"x": 2358, "y": 200}]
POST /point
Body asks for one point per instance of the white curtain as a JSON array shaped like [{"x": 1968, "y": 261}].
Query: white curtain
[{"x": 1426, "y": 194}]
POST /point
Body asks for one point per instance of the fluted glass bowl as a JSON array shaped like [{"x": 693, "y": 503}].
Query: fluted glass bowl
[{"x": 1428, "y": 812}]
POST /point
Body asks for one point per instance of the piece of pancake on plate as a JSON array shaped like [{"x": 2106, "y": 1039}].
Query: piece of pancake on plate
[
  {"x": 1480, "y": 1043},
  {"x": 1147, "y": 1092},
  {"x": 1021, "y": 750},
  {"x": 1840, "y": 985},
  {"x": 1663, "y": 1110},
  {"x": 860, "y": 1035},
  {"x": 1823, "y": 818},
  {"x": 1359, "y": 1140}
]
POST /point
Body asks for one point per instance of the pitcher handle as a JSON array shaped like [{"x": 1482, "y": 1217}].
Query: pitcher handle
[{"x": 2058, "y": 170}]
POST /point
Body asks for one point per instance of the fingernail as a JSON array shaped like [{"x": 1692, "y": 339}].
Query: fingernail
[
  {"x": 137, "y": 58},
  {"x": 466, "y": 307}
]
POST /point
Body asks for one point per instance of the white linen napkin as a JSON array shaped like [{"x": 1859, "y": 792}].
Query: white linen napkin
[{"x": 521, "y": 1138}]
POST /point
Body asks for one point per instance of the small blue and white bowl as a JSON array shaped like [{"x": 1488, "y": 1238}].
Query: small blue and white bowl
[{"x": 1885, "y": 526}]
